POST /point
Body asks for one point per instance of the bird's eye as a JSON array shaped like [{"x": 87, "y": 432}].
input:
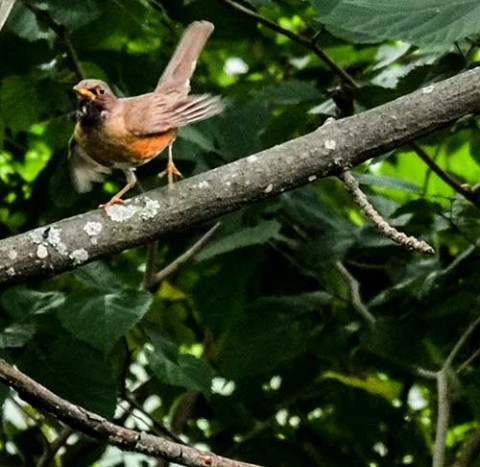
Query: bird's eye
[{"x": 101, "y": 91}]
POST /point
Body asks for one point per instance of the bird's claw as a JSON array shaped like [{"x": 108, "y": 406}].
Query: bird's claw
[
  {"x": 171, "y": 169},
  {"x": 112, "y": 202}
]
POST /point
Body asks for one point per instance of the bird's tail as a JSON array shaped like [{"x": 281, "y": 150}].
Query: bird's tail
[{"x": 176, "y": 76}]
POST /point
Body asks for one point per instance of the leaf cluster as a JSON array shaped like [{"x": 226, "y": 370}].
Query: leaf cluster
[{"x": 256, "y": 349}]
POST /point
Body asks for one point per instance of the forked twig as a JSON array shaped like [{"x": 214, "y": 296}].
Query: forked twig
[{"x": 153, "y": 281}]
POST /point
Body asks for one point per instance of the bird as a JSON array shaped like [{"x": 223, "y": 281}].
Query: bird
[{"x": 125, "y": 132}]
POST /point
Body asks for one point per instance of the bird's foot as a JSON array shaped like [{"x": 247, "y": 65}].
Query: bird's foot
[
  {"x": 171, "y": 171},
  {"x": 114, "y": 200}
]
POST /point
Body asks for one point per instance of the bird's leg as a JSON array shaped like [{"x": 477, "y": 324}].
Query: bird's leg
[
  {"x": 171, "y": 169},
  {"x": 117, "y": 198}
]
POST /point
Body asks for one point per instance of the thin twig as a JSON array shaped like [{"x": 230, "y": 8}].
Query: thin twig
[
  {"x": 184, "y": 409},
  {"x": 151, "y": 253},
  {"x": 471, "y": 452},
  {"x": 157, "y": 427},
  {"x": 150, "y": 266},
  {"x": 423, "y": 373},
  {"x": 53, "y": 448},
  {"x": 134, "y": 404},
  {"x": 61, "y": 32},
  {"x": 371, "y": 213},
  {"x": 304, "y": 41},
  {"x": 460, "y": 343},
  {"x": 458, "y": 260},
  {"x": 443, "y": 397},
  {"x": 125, "y": 367},
  {"x": 356, "y": 299},
  {"x": 474, "y": 44},
  {"x": 183, "y": 259},
  {"x": 443, "y": 415},
  {"x": 468, "y": 361},
  {"x": 98, "y": 427},
  {"x": 35, "y": 418},
  {"x": 463, "y": 190},
  {"x": 182, "y": 413}
]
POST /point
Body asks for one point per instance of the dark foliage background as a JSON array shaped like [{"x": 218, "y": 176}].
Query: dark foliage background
[{"x": 261, "y": 349}]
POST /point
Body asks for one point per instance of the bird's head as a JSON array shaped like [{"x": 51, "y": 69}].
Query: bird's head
[{"x": 92, "y": 89}]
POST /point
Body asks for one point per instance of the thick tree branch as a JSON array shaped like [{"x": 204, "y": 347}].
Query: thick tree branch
[
  {"x": 5, "y": 9},
  {"x": 98, "y": 427},
  {"x": 327, "y": 151}
]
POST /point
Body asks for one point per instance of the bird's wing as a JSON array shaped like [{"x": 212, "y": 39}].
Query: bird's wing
[
  {"x": 170, "y": 106},
  {"x": 158, "y": 113},
  {"x": 83, "y": 169},
  {"x": 179, "y": 70}
]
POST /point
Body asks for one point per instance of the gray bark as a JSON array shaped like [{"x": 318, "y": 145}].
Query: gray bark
[
  {"x": 335, "y": 146},
  {"x": 5, "y": 9}
]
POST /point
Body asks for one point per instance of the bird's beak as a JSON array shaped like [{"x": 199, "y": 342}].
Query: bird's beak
[{"x": 84, "y": 93}]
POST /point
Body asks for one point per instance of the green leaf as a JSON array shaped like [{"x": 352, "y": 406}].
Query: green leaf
[
  {"x": 16, "y": 335},
  {"x": 97, "y": 275},
  {"x": 20, "y": 302},
  {"x": 330, "y": 235},
  {"x": 398, "y": 341},
  {"x": 246, "y": 237},
  {"x": 474, "y": 144},
  {"x": 195, "y": 136},
  {"x": 177, "y": 369},
  {"x": 73, "y": 370},
  {"x": 23, "y": 22},
  {"x": 261, "y": 343},
  {"x": 240, "y": 128},
  {"x": 74, "y": 14},
  {"x": 220, "y": 295},
  {"x": 291, "y": 304},
  {"x": 422, "y": 22},
  {"x": 388, "y": 389},
  {"x": 472, "y": 382},
  {"x": 101, "y": 318},
  {"x": 20, "y": 103},
  {"x": 387, "y": 182},
  {"x": 290, "y": 92}
]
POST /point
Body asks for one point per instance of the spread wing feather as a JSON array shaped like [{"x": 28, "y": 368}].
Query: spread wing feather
[
  {"x": 83, "y": 169},
  {"x": 179, "y": 70},
  {"x": 170, "y": 106},
  {"x": 163, "y": 114}
]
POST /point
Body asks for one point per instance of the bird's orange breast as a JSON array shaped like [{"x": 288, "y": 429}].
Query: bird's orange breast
[
  {"x": 147, "y": 147},
  {"x": 119, "y": 149}
]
